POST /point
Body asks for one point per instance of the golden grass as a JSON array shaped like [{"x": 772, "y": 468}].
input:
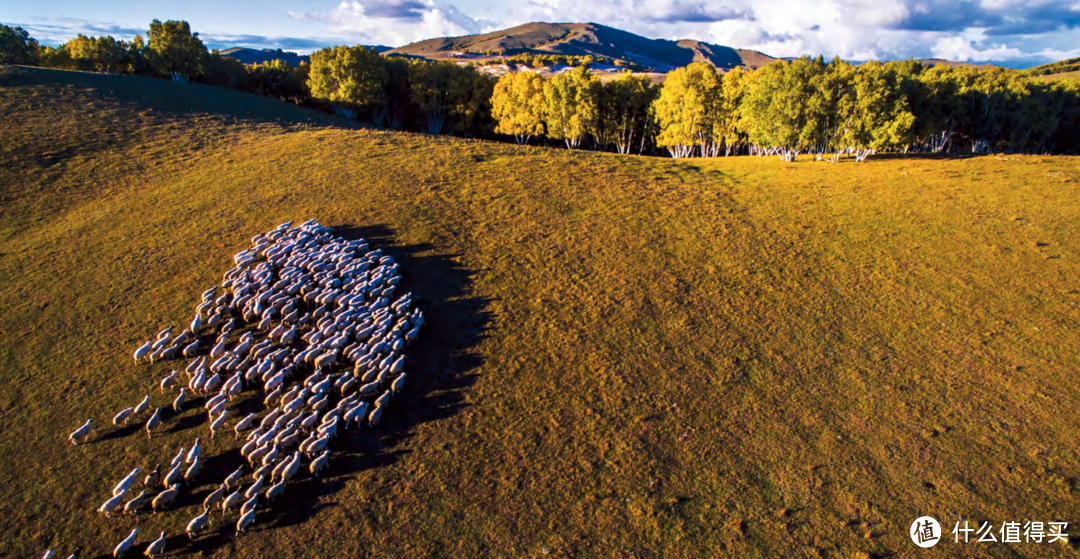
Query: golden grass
[{"x": 626, "y": 356}]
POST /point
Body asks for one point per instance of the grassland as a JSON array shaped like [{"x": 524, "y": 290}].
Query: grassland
[
  {"x": 627, "y": 357},
  {"x": 1062, "y": 76}
]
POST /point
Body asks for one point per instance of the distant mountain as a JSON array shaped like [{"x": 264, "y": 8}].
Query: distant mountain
[
  {"x": 936, "y": 61},
  {"x": 253, "y": 56},
  {"x": 585, "y": 39}
]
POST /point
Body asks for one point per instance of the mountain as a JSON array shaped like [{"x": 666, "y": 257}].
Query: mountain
[
  {"x": 253, "y": 56},
  {"x": 584, "y": 39}
]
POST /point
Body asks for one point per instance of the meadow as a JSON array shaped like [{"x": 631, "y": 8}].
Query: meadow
[{"x": 624, "y": 357}]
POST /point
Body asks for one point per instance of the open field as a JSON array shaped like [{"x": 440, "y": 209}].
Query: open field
[
  {"x": 625, "y": 356},
  {"x": 1062, "y": 76}
]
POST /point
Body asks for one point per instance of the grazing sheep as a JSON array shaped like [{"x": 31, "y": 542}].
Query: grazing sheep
[
  {"x": 165, "y": 498},
  {"x": 125, "y": 544},
  {"x": 156, "y": 548},
  {"x": 275, "y": 490},
  {"x": 198, "y": 523},
  {"x": 244, "y": 424},
  {"x": 375, "y": 416},
  {"x": 81, "y": 433},
  {"x": 398, "y": 383},
  {"x": 219, "y": 423}
]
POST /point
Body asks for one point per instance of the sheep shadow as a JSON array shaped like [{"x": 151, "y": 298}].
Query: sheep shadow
[{"x": 439, "y": 364}]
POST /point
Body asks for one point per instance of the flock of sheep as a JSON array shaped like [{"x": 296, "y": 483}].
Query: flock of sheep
[{"x": 312, "y": 321}]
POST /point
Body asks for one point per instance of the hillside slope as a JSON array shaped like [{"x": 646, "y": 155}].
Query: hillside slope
[
  {"x": 583, "y": 39},
  {"x": 625, "y": 356}
]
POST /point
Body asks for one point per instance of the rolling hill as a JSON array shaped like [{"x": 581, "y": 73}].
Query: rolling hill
[
  {"x": 624, "y": 357},
  {"x": 253, "y": 56},
  {"x": 584, "y": 39}
]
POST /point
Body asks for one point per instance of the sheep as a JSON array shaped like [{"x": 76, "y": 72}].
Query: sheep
[
  {"x": 215, "y": 497},
  {"x": 178, "y": 459},
  {"x": 250, "y": 504},
  {"x": 142, "y": 352},
  {"x": 153, "y": 477},
  {"x": 218, "y": 423},
  {"x": 81, "y": 433},
  {"x": 169, "y": 381},
  {"x": 319, "y": 463},
  {"x": 375, "y": 416},
  {"x": 137, "y": 503},
  {"x": 192, "y": 470},
  {"x": 125, "y": 483},
  {"x": 111, "y": 505},
  {"x": 125, "y": 544},
  {"x": 255, "y": 488},
  {"x": 234, "y": 477},
  {"x": 231, "y": 501},
  {"x": 122, "y": 417},
  {"x": 165, "y": 498},
  {"x": 194, "y": 453},
  {"x": 269, "y": 457},
  {"x": 398, "y": 383},
  {"x": 275, "y": 490},
  {"x": 142, "y": 406},
  {"x": 244, "y": 424},
  {"x": 48, "y": 554},
  {"x": 245, "y": 521},
  {"x": 382, "y": 400},
  {"x": 156, "y": 548},
  {"x": 198, "y": 523},
  {"x": 175, "y": 475},
  {"x": 153, "y": 422}
]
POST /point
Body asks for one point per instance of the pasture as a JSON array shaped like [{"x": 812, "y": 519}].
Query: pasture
[{"x": 624, "y": 356}]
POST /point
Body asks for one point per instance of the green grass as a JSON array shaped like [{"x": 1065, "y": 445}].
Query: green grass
[
  {"x": 1061, "y": 76},
  {"x": 626, "y": 356}
]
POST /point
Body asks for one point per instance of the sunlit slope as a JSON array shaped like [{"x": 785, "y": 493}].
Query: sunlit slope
[{"x": 730, "y": 357}]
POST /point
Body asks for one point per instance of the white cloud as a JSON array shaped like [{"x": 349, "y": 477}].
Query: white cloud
[
  {"x": 963, "y": 50},
  {"x": 395, "y": 22}
]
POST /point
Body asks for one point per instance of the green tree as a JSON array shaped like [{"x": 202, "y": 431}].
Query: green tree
[
  {"x": 571, "y": 109},
  {"x": 624, "y": 115},
  {"x": 224, "y": 71},
  {"x": 881, "y": 116},
  {"x": 777, "y": 114},
  {"x": 517, "y": 105},
  {"x": 686, "y": 110},
  {"x": 175, "y": 51},
  {"x": 450, "y": 97},
  {"x": 98, "y": 54},
  {"x": 17, "y": 46},
  {"x": 726, "y": 128},
  {"x": 349, "y": 79}
]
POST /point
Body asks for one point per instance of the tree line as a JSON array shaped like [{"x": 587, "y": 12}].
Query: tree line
[{"x": 805, "y": 106}]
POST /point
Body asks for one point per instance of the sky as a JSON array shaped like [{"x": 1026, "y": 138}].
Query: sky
[{"x": 1015, "y": 33}]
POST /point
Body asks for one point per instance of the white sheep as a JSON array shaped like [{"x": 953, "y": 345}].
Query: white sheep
[
  {"x": 137, "y": 503},
  {"x": 156, "y": 548},
  {"x": 245, "y": 521},
  {"x": 123, "y": 416},
  {"x": 81, "y": 433},
  {"x": 142, "y": 352},
  {"x": 198, "y": 523},
  {"x": 111, "y": 505},
  {"x": 125, "y": 483},
  {"x": 165, "y": 498},
  {"x": 153, "y": 422},
  {"x": 194, "y": 453},
  {"x": 125, "y": 544},
  {"x": 215, "y": 497},
  {"x": 319, "y": 463}
]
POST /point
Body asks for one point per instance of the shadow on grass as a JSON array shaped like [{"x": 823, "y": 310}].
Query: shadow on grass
[{"x": 439, "y": 366}]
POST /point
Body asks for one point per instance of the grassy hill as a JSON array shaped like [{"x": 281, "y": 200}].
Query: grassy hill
[
  {"x": 255, "y": 56},
  {"x": 583, "y": 39},
  {"x": 625, "y": 356}
]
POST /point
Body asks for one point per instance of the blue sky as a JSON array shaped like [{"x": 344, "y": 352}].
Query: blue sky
[{"x": 1012, "y": 32}]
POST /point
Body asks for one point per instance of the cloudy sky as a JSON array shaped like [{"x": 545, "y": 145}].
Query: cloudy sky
[{"x": 1016, "y": 33}]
